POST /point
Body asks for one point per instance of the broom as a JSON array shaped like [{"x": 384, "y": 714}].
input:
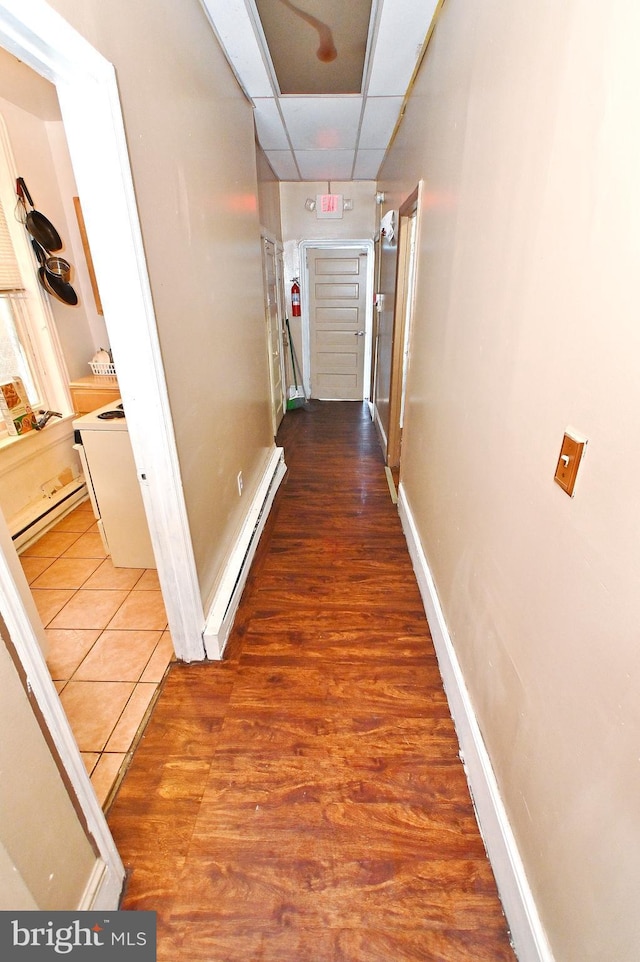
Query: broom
[{"x": 297, "y": 398}]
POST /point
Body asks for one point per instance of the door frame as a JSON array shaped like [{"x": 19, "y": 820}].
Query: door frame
[
  {"x": 94, "y": 127},
  {"x": 304, "y": 247},
  {"x": 402, "y": 313},
  {"x": 268, "y": 238}
]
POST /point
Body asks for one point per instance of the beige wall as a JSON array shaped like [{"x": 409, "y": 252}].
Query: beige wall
[
  {"x": 268, "y": 197},
  {"x": 42, "y": 158},
  {"x": 46, "y": 859},
  {"x": 191, "y": 141},
  {"x": 524, "y": 124},
  {"x": 300, "y": 224}
]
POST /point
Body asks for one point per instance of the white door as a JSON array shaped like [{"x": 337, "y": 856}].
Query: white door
[
  {"x": 337, "y": 322},
  {"x": 274, "y": 332}
]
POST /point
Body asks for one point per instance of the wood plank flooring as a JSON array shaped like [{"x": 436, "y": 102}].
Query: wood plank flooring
[{"x": 303, "y": 800}]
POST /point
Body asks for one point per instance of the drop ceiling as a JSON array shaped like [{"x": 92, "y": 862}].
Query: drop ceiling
[{"x": 327, "y": 78}]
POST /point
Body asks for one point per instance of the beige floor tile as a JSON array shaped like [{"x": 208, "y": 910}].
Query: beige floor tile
[
  {"x": 51, "y": 545},
  {"x": 90, "y": 760},
  {"x": 149, "y": 580},
  {"x": 67, "y": 648},
  {"x": 160, "y": 659},
  {"x": 106, "y": 576},
  {"x": 131, "y": 718},
  {"x": 49, "y": 601},
  {"x": 118, "y": 656},
  {"x": 86, "y": 546},
  {"x": 93, "y": 709},
  {"x": 60, "y": 685},
  {"x": 33, "y": 567},
  {"x": 80, "y": 520},
  {"x": 105, "y": 774},
  {"x": 142, "y": 609},
  {"x": 89, "y": 609},
  {"x": 67, "y": 573}
]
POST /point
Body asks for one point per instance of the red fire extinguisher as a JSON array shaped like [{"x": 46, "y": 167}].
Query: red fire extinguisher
[{"x": 295, "y": 298}]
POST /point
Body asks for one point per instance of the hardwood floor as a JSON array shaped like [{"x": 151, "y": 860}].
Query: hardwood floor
[{"x": 303, "y": 800}]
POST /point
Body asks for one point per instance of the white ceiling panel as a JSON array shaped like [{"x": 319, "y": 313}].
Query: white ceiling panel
[
  {"x": 404, "y": 24},
  {"x": 325, "y": 164},
  {"x": 368, "y": 164},
  {"x": 379, "y": 120},
  {"x": 283, "y": 164},
  {"x": 326, "y": 130},
  {"x": 271, "y": 131},
  {"x": 322, "y": 123},
  {"x": 236, "y": 32}
]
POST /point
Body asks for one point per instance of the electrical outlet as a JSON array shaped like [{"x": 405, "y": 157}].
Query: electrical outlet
[{"x": 240, "y": 483}]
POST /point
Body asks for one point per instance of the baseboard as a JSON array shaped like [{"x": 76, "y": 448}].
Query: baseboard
[
  {"x": 526, "y": 929},
  {"x": 103, "y": 890},
  {"x": 382, "y": 434},
  {"x": 225, "y": 602},
  {"x": 35, "y": 521}
]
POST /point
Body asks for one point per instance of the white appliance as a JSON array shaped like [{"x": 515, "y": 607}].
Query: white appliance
[{"x": 103, "y": 444}]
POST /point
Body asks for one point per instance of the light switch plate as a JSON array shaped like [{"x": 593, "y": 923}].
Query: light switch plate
[{"x": 569, "y": 461}]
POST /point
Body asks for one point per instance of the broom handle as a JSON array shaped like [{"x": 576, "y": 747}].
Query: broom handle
[{"x": 293, "y": 363}]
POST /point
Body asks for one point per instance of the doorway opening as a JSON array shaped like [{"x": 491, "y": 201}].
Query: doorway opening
[
  {"x": 90, "y": 106},
  {"x": 337, "y": 318},
  {"x": 403, "y": 313}
]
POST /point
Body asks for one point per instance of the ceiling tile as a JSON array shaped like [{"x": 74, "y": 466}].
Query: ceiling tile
[
  {"x": 271, "y": 132},
  {"x": 404, "y": 24},
  {"x": 368, "y": 163},
  {"x": 235, "y": 31},
  {"x": 319, "y": 49},
  {"x": 324, "y": 129},
  {"x": 379, "y": 121},
  {"x": 325, "y": 164},
  {"x": 283, "y": 164},
  {"x": 324, "y": 123}
]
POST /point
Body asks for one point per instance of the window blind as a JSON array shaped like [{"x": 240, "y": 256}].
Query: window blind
[{"x": 10, "y": 279}]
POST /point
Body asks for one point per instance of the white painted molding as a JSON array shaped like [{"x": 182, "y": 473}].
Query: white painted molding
[
  {"x": 303, "y": 249},
  {"x": 20, "y": 616},
  {"x": 227, "y": 597},
  {"x": 93, "y": 891},
  {"x": 527, "y": 933},
  {"x": 94, "y": 129}
]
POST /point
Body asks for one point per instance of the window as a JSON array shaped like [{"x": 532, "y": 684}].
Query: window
[
  {"x": 29, "y": 347},
  {"x": 13, "y": 356}
]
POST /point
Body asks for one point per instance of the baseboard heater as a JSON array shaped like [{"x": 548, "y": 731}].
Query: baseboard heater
[
  {"x": 42, "y": 518},
  {"x": 227, "y": 596}
]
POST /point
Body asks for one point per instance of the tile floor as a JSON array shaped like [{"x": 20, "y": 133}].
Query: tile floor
[{"x": 108, "y": 643}]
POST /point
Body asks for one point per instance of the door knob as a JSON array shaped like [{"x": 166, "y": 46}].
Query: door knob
[{"x": 359, "y": 333}]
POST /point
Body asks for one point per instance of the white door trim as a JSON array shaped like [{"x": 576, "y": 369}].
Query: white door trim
[
  {"x": 90, "y": 105},
  {"x": 94, "y": 129},
  {"x": 21, "y": 618},
  {"x": 304, "y": 247}
]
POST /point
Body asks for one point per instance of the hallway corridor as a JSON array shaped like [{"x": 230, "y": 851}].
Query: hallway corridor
[{"x": 303, "y": 800}]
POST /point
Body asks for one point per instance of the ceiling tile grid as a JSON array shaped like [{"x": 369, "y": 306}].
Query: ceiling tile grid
[
  {"x": 324, "y": 136},
  {"x": 325, "y": 164}
]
